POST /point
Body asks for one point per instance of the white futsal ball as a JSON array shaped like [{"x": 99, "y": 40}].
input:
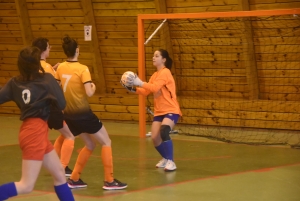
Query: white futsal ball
[{"x": 124, "y": 77}]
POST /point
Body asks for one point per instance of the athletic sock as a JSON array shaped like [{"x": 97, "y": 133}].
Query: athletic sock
[
  {"x": 8, "y": 190},
  {"x": 82, "y": 159},
  {"x": 64, "y": 193},
  {"x": 169, "y": 149},
  {"x": 106, "y": 155},
  {"x": 58, "y": 144},
  {"x": 161, "y": 150},
  {"x": 66, "y": 152}
]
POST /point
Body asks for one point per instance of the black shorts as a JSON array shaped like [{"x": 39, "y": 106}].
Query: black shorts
[
  {"x": 89, "y": 123},
  {"x": 56, "y": 119}
]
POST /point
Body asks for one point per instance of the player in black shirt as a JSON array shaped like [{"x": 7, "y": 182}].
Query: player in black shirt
[{"x": 34, "y": 92}]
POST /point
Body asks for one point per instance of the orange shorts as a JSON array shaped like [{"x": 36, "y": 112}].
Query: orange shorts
[{"x": 33, "y": 139}]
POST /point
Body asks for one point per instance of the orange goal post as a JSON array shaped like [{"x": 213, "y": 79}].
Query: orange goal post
[{"x": 143, "y": 21}]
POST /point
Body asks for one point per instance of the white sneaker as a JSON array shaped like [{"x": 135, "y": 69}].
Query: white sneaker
[
  {"x": 170, "y": 166},
  {"x": 162, "y": 163}
]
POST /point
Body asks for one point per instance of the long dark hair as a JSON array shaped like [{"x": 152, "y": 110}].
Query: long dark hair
[
  {"x": 69, "y": 46},
  {"x": 165, "y": 54},
  {"x": 29, "y": 63}
]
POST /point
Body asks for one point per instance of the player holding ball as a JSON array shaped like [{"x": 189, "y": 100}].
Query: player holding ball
[{"x": 166, "y": 107}]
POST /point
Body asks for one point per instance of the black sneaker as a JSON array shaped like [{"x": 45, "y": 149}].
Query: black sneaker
[
  {"x": 68, "y": 171},
  {"x": 114, "y": 185},
  {"x": 76, "y": 184}
]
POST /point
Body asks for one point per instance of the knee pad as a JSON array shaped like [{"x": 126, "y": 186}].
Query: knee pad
[{"x": 165, "y": 132}]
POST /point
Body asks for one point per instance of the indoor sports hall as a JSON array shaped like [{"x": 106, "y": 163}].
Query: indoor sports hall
[{"x": 236, "y": 66}]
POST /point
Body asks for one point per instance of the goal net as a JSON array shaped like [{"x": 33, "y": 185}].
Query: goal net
[{"x": 237, "y": 73}]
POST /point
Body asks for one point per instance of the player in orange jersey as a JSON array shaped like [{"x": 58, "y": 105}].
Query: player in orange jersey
[
  {"x": 34, "y": 92},
  {"x": 166, "y": 107},
  {"x": 77, "y": 85},
  {"x": 64, "y": 144}
]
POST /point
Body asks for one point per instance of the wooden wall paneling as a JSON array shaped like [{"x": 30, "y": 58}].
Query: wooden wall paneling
[
  {"x": 246, "y": 105},
  {"x": 89, "y": 19},
  {"x": 10, "y": 73},
  {"x": 203, "y": 9},
  {"x": 12, "y": 41},
  {"x": 283, "y": 81},
  {"x": 165, "y": 36},
  {"x": 4, "y": 60},
  {"x": 37, "y": 1},
  {"x": 53, "y": 5},
  {"x": 54, "y": 19},
  {"x": 25, "y": 26},
  {"x": 286, "y": 125},
  {"x": 295, "y": 89},
  {"x": 57, "y": 13},
  {"x": 209, "y": 57},
  {"x": 7, "y": 6},
  {"x": 10, "y": 110},
  {"x": 123, "y": 4},
  {"x": 57, "y": 27},
  {"x": 122, "y": 12},
  {"x": 205, "y": 49},
  {"x": 273, "y": 4},
  {"x": 8, "y": 67},
  {"x": 278, "y": 65},
  {"x": 5, "y": 13},
  {"x": 278, "y": 48},
  {"x": 10, "y": 34},
  {"x": 9, "y": 54},
  {"x": 5, "y": 19},
  {"x": 118, "y": 42},
  {"x": 249, "y": 54},
  {"x": 216, "y": 95},
  {"x": 239, "y": 114},
  {"x": 123, "y": 8},
  {"x": 281, "y": 96},
  {"x": 109, "y": 99},
  {"x": 117, "y": 32},
  {"x": 211, "y": 64}
]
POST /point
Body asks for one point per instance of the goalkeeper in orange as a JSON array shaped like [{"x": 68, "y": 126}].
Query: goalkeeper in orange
[{"x": 166, "y": 107}]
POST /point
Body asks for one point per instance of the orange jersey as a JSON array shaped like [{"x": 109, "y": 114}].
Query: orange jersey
[
  {"x": 47, "y": 67},
  {"x": 162, "y": 85},
  {"x": 73, "y": 76}
]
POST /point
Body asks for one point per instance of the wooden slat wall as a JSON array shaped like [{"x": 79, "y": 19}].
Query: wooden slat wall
[
  {"x": 10, "y": 40},
  {"x": 117, "y": 32},
  {"x": 55, "y": 19},
  {"x": 217, "y": 77}
]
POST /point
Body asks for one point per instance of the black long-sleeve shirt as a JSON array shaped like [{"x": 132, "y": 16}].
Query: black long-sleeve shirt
[{"x": 34, "y": 97}]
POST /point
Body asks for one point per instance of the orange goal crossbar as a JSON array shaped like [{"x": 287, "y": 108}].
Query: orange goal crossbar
[{"x": 141, "y": 41}]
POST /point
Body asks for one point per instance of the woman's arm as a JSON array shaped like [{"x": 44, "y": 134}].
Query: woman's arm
[
  {"x": 154, "y": 85},
  {"x": 142, "y": 91},
  {"x": 5, "y": 93},
  {"x": 90, "y": 88}
]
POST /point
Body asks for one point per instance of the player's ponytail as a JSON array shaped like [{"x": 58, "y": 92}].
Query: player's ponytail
[
  {"x": 69, "y": 46},
  {"x": 165, "y": 54},
  {"x": 29, "y": 63}
]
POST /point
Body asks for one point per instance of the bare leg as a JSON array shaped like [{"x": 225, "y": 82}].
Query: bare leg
[
  {"x": 30, "y": 172},
  {"x": 52, "y": 164},
  {"x": 155, "y": 134}
]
